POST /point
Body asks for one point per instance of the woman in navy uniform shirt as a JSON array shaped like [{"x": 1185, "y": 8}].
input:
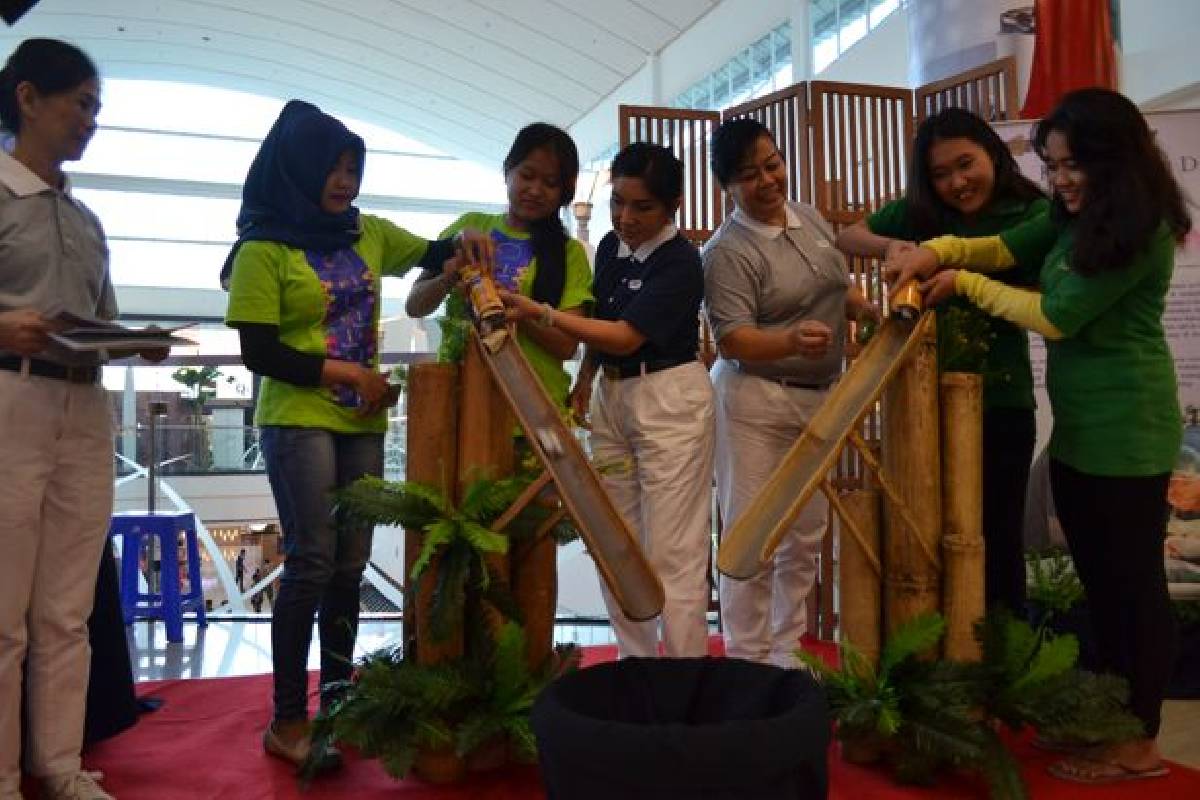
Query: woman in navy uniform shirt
[{"x": 653, "y": 414}]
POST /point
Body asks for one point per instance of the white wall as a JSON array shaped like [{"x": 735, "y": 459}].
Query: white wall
[
  {"x": 1160, "y": 63},
  {"x": 708, "y": 44},
  {"x": 214, "y": 498},
  {"x": 880, "y": 58}
]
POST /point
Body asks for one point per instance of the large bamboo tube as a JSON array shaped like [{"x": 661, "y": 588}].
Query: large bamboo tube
[
  {"x": 431, "y": 458},
  {"x": 911, "y": 463},
  {"x": 859, "y": 580},
  {"x": 962, "y": 512},
  {"x": 485, "y": 448},
  {"x": 535, "y": 589}
]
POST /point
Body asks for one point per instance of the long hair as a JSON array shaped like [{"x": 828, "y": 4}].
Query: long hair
[
  {"x": 51, "y": 65},
  {"x": 928, "y": 214},
  {"x": 1129, "y": 191},
  {"x": 548, "y": 236}
]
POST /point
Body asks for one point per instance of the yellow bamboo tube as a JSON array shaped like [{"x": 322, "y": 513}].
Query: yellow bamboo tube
[
  {"x": 859, "y": 578},
  {"x": 911, "y": 463},
  {"x": 431, "y": 458},
  {"x": 485, "y": 448},
  {"x": 962, "y": 512},
  {"x": 963, "y": 587}
]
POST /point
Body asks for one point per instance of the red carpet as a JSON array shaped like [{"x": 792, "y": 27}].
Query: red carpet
[{"x": 204, "y": 745}]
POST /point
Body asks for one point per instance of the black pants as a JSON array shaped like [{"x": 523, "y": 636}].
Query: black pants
[
  {"x": 1008, "y": 438},
  {"x": 1115, "y": 527}
]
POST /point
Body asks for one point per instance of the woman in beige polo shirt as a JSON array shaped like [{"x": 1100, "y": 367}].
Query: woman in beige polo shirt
[
  {"x": 778, "y": 295},
  {"x": 56, "y": 476}
]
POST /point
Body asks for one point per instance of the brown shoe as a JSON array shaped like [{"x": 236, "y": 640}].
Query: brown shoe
[{"x": 292, "y": 742}]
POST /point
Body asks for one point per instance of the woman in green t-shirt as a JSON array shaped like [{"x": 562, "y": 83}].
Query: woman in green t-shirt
[
  {"x": 533, "y": 255},
  {"x": 1107, "y": 252},
  {"x": 965, "y": 181}
]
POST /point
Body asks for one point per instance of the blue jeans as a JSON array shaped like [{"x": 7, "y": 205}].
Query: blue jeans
[{"x": 324, "y": 554}]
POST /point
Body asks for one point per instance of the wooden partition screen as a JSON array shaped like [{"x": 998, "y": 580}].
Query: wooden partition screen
[
  {"x": 989, "y": 90},
  {"x": 685, "y": 133},
  {"x": 785, "y": 114}
]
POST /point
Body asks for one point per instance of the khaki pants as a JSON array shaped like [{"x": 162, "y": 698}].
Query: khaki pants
[
  {"x": 56, "y": 494},
  {"x": 758, "y": 421},
  {"x": 661, "y": 426}
]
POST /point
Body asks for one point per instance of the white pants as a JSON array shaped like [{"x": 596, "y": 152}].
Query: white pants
[
  {"x": 758, "y": 421},
  {"x": 56, "y": 495},
  {"x": 661, "y": 426}
]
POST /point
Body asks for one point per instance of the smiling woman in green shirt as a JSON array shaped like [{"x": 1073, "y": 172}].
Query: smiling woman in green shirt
[
  {"x": 1107, "y": 252},
  {"x": 965, "y": 181}
]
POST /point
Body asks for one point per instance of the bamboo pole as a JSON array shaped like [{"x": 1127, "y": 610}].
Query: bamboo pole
[
  {"x": 485, "y": 450},
  {"x": 432, "y": 459},
  {"x": 962, "y": 512},
  {"x": 911, "y": 461},
  {"x": 859, "y": 574}
]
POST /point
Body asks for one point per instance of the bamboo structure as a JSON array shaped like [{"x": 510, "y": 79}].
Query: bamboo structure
[
  {"x": 962, "y": 513},
  {"x": 485, "y": 450},
  {"x": 432, "y": 459},
  {"x": 859, "y": 568},
  {"x": 912, "y": 461}
]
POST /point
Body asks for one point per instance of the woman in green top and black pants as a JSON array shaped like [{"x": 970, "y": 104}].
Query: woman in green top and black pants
[
  {"x": 1107, "y": 253},
  {"x": 964, "y": 181}
]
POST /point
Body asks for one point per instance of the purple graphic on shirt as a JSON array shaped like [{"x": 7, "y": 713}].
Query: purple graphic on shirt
[
  {"x": 512, "y": 259},
  {"x": 349, "y": 311}
]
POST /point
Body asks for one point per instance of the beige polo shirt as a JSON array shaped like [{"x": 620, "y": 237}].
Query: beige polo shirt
[
  {"x": 53, "y": 256},
  {"x": 771, "y": 277}
]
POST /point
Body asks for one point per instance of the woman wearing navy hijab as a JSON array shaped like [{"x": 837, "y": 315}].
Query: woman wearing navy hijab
[{"x": 304, "y": 283}]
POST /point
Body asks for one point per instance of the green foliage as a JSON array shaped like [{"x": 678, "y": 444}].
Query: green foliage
[
  {"x": 201, "y": 383},
  {"x": 1030, "y": 679},
  {"x": 455, "y": 325},
  {"x": 1053, "y": 587},
  {"x": 1187, "y": 612},
  {"x": 965, "y": 337},
  {"x": 923, "y": 711},
  {"x": 392, "y": 707},
  {"x": 508, "y": 689}
]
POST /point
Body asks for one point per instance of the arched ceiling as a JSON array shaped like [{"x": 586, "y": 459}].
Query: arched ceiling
[{"x": 460, "y": 75}]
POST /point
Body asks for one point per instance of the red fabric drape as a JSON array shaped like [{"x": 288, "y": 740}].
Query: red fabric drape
[{"x": 1073, "y": 49}]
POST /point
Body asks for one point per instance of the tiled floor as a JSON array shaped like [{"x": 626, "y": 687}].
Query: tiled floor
[{"x": 244, "y": 648}]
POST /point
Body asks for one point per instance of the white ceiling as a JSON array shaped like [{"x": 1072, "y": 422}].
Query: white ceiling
[{"x": 460, "y": 75}]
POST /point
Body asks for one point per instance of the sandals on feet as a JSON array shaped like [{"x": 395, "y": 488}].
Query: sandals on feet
[{"x": 1083, "y": 770}]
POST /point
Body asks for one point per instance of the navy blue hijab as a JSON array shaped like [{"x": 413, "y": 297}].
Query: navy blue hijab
[{"x": 281, "y": 198}]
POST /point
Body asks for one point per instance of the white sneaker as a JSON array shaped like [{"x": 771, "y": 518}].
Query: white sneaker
[{"x": 74, "y": 786}]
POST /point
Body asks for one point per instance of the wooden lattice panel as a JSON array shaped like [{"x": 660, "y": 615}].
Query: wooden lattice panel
[
  {"x": 989, "y": 90},
  {"x": 785, "y": 115},
  {"x": 685, "y": 133}
]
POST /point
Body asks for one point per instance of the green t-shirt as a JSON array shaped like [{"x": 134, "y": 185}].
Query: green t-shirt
[
  {"x": 1007, "y": 375},
  {"x": 515, "y": 270},
  {"x": 1111, "y": 378},
  {"x": 275, "y": 284}
]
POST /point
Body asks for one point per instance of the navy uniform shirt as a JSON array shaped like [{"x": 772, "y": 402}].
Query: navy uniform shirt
[{"x": 657, "y": 289}]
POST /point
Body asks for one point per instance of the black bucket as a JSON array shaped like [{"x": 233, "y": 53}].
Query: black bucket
[{"x": 711, "y": 728}]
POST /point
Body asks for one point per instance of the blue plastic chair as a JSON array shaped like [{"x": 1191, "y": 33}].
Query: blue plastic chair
[{"x": 169, "y": 604}]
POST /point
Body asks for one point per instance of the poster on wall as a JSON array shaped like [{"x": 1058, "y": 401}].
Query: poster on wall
[{"x": 1178, "y": 134}]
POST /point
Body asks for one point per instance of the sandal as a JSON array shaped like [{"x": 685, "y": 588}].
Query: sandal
[{"x": 1083, "y": 770}]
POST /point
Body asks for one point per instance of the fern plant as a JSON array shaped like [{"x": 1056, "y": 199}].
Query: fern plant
[
  {"x": 393, "y": 707},
  {"x": 508, "y": 689},
  {"x": 922, "y": 712},
  {"x": 1053, "y": 587},
  {"x": 1031, "y": 679}
]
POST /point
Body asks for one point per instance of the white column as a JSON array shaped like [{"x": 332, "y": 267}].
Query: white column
[
  {"x": 654, "y": 79},
  {"x": 801, "y": 40}
]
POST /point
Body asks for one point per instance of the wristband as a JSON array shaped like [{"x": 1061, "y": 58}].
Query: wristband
[{"x": 546, "y": 320}]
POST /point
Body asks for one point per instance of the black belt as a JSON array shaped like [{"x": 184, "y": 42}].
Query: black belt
[
  {"x": 793, "y": 383},
  {"x": 48, "y": 369},
  {"x": 619, "y": 372}
]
